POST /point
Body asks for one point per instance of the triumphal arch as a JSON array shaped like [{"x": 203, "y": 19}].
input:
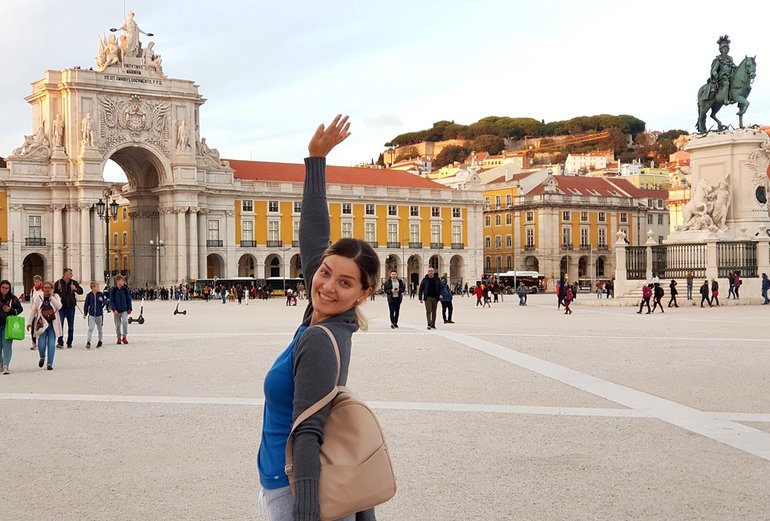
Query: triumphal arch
[{"x": 126, "y": 109}]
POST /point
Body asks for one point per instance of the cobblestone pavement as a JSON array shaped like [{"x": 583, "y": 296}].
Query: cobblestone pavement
[{"x": 510, "y": 413}]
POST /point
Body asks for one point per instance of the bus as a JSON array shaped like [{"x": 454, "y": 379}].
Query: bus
[
  {"x": 278, "y": 284},
  {"x": 534, "y": 282}
]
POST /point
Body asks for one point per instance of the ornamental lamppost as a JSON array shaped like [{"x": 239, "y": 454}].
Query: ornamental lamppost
[
  {"x": 157, "y": 244},
  {"x": 107, "y": 211}
]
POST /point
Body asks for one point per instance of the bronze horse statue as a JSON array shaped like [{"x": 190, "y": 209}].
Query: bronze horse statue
[{"x": 709, "y": 97}]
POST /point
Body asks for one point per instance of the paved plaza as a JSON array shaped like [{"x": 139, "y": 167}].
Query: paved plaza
[{"x": 511, "y": 413}]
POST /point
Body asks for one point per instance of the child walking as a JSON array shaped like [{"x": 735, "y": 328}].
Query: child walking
[
  {"x": 120, "y": 298},
  {"x": 93, "y": 310}
]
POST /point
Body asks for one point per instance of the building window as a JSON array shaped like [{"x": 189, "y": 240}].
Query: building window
[
  {"x": 508, "y": 200},
  {"x": 414, "y": 233},
  {"x": 499, "y": 263},
  {"x": 498, "y": 242},
  {"x": 392, "y": 209},
  {"x": 508, "y": 241},
  {"x": 498, "y": 220},
  {"x": 213, "y": 230},
  {"x": 414, "y": 211},
  {"x": 497, "y": 201},
  {"x": 295, "y": 231},
  {"x": 660, "y": 203},
  {"x": 486, "y": 202},
  {"x": 435, "y": 233},
  {"x": 393, "y": 232},
  {"x": 273, "y": 233},
  {"x": 247, "y": 230},
  {"x": 508, "y": 219},
  {"x": 487, "y": 221},
  {"x": 487, "y": 242},
  {"x": 369, "y": 209},
  {"x": 115, "y": 240},
  {"x": 602, "y": 236},
  {"x": 125, "y": 262},
  {"x": 435, "y": 211},
  {"x": 297, "y": 206},
  {"x": 35, "y": 227},
  {"x": 488, "y": 264},
  {"x": 565, "y": 216},
  {"x": 115, "y": 265},
  {"x": 660, "y": 219},
  {"x": 649, "y": 218},
  {"x": 247, "y": 205},
  {"x": 530, "y": 217},
  {"x": 649, "y": 203},
  {"x": 347, "y": 209},
  {"x": 566, "y": 236},
  {"x": 623, "y": 217},
  {"x": 584, "y": 217},
  {"x": 457, "y": 233},
  {"x": 347, "y": 229},
  {"x": 125, "y": 213},
  {"x": 125, "y": 238},
  {"x": 272, "y": 206},
  {"x": 369, "y": 232},
  {"x": 584, "y": 237},
  {"x": 508, "y": 263},
  {"x": 602, "y": 217},
  {"x": 530, "y": 237},
  {"x": 456, "y": 213}
]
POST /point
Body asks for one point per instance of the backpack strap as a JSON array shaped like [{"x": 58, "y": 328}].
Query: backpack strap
[{"x": 320, "y": 404}]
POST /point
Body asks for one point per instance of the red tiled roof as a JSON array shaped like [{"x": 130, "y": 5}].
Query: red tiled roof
[
  {"x": 605, "y": 187},
  {"x": 514, "y": 177},
  {"x": 344, "y": 175}
]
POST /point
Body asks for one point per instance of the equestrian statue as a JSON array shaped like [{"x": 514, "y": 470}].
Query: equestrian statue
[{"x": 726, "y": 85}]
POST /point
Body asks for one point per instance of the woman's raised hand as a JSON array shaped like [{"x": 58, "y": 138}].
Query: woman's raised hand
[{"x": 326, "y": 138}]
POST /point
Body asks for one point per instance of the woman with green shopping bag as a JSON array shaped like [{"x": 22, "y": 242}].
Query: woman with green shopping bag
[{"x": 10, "y": 308}]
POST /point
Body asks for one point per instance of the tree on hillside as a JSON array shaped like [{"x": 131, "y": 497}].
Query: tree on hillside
[
  {"x": 381, "y": 160},
  {"x": 488, "y": 143},
  {"x": 673, "y": 134},
  {"x": 450, "y": 154}
]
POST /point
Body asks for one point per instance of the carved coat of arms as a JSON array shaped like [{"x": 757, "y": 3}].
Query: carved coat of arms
[{"x": 133, "y": 119}]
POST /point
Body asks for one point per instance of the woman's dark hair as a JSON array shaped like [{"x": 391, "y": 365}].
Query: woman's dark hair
[
  {"x": 367, "y": 261},
  {"x": 5, "y": 282}
]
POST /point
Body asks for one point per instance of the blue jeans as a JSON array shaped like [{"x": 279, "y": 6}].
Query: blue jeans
[
  {"x": 67, "y": 314},
  {"x": 764, "y": 296},
  {"x": 121, "y": 322},
  {"x": 280, "y": 505},
  {"x": 394, "y": 306},
  {"x": 689, "y": 292},
  {"x": 47, "y": 343},
  {"x": 6, "y": 348}
]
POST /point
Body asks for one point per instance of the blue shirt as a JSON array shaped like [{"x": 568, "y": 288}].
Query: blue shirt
[
  {"x": 277, "y": 418},
  {"x": 94, "y": 305}
]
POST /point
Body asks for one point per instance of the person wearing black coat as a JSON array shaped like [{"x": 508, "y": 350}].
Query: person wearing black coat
[
  {"x": 704, "y": 293},
  {"x": 394, "y": 289},
  {"x": 672, "y": 289},
  {"x": 715, "y": 291},
  {"x": 657, "y": 294},
  {"x": 9, "y": 306}
]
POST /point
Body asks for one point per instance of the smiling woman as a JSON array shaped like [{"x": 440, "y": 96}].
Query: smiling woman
[{"x": 341, "y": 277}]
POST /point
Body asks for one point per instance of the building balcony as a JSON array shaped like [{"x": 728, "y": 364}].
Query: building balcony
[
  {"x": 274, "y": 244},
  {"x": 529, "y": 247},
  {"x": 585, "y": 247},
  {"x": 458, "y": 246},
  {"x": 415, "y": 245},
  {"x": 248, "y": 244},
  {"x": 34, "y": 241},
  {"x": 394, "y": 245},
  {"x": 373, "y": 244},
  {"x": 566, "y": 246},
  {"x": 211, "y": 243},
  {"x": 295, "y": 244},
  {"x": 437, "y": 246},
  {"x": 603, "y": 247}
]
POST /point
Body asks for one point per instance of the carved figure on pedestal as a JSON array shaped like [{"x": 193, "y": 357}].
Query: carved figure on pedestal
[
  {"x": 697, "y": 207},
  {"x": 109, "y": 53},
  {"x": 153, "y": 61},
  {"x": 209, "y": 156},
  {"x": 721, "y": 203},
  {"x": 87, "y": 131},
  {"x": 182, "y": 139},
  {"x": 58, "y": 131},
  {"x": 132, "y": 45},
  {"x": 758, "y": 163},
  {"x": 35, "y": 146},
  {"x": 707, "y": 210}
]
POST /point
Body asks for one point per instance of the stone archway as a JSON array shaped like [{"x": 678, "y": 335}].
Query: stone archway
[
  {"x": 456, "y": 269},
  {"x": 414, "y": 269},
  {"x": 531, "y": 263},
  {"x": 215, "y": 266},
  {"x": 273, "y": 266},
  {"x": 246, "y": 266},
  {"x": 435, "y": 263},
  {"x": 392, "y": 262},
  {"x": 33, "y": 264},
  {"x": 601, "y": 262},
  {"x": 295, "y": 266}
]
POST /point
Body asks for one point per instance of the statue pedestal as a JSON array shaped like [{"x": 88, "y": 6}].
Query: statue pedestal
[{"x": 720, "y": 156}]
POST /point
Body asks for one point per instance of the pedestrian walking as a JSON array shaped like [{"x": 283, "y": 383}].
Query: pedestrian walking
[
  {"x": 478, "y": 291},
  {"x": 93, "y": 311},
  {"x": 657, "y": 292},
  {"x": 673, "y": 291},
  {"x": 731, "y": 285},
  {"x": 704, "y": 293},
  {"x": 714, "y": 291},
  {"x": 599, "y": 288},
  {"x": 737, "y": 285},
  {"x": 521, "y": 292},
  {"x": 446, "y": 303},
  {"x": 339, "y": 278},
  {"x": 394, "y": 291},
  {"x": 47, "y": 323},
  {"x": 568, "y": 297},
  {"x": 690, "y": 277},
  {"x": 36, "y": 291},
  {"x": 466, "y": 293},
  {"x": 430, "y": 293},
  {"x": 10, "y": 306},
  {"x": 121, "y": 308},
  {"x": 412, "y": 290},
  {"x": 765, "y": 288},
  {"x": 646, "y": 296},
  {"x": 68, "y": 289},
  {"x": 559, "y": 289}
]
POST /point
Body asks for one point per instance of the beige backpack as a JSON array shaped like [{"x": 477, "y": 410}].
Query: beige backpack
[{"x": 356, "y": 472}]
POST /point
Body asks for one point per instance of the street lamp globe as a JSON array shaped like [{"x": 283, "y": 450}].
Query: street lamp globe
[
  {"x": 100, "y": 206},
  {"x": 114, "y": 209}
]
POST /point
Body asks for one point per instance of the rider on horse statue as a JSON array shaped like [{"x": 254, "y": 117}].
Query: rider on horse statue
[{"x": 722, "y": 70}]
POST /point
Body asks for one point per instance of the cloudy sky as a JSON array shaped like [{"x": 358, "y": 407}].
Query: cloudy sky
[{"x": 271, "y": 71}]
